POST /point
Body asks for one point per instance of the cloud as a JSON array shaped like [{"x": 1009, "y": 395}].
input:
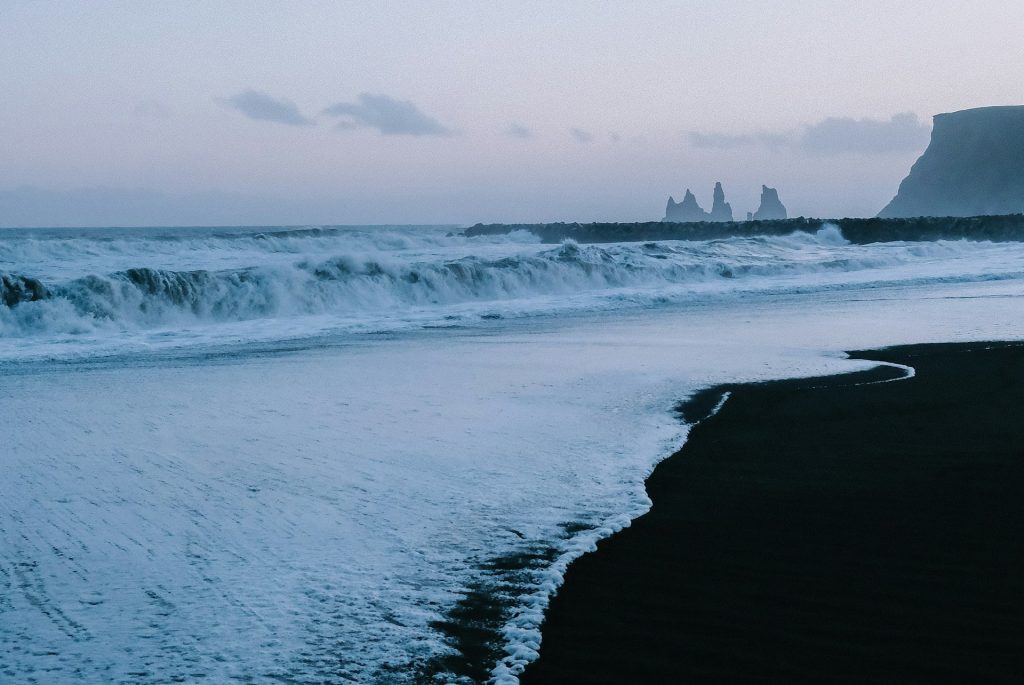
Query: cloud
[
  {"x": 515, "y": 130},
  {"x": 830, "y": 136},
  {"x": 262, "y": 107},
  {"x": 581, "y": 136},
  {"x": 386, "y": 114},
  {"x": 836, "y": 135}
]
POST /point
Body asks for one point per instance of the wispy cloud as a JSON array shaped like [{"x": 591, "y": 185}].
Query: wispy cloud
[
  {"x": 260, "y": 106},
  {"x": 831, "y": 136},
  {"x": 580, "y": 135},
  {"x": 387, "y": 115},
  {"x": 515, "y": 130},
  {"x": 835, "y": 135},
  {"x": 729, "y": 141}
]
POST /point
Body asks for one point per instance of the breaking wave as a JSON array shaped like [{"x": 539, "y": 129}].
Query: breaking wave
[{"x": 381, "y": 278}]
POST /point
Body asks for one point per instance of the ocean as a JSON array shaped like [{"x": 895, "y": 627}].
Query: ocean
[{"x": 292, "y": 454}]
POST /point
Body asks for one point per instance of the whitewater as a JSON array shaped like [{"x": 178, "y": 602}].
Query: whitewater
[{"x": 288, "y": 454}]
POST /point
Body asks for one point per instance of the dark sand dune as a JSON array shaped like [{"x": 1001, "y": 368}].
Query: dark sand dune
[{"x": 820, "y": 532}]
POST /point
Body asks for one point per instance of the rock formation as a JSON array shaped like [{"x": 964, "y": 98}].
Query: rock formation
[
  {"x": 720, "y": 210},
  {"x": 974, "y": 165},
  {"x": 771, "y": 207},
  {"x": 689, "y": 210}
]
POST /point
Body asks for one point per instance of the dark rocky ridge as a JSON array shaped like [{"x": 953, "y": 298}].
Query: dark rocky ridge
[
  {"x": 974, "y": 165},
  {"x": 1007, "y": 228}
]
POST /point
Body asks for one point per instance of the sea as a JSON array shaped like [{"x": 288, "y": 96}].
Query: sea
[{"x": 304, "y": 454}]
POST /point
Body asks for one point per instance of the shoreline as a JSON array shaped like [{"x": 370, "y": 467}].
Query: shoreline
[{"x": 832, "y": 529}]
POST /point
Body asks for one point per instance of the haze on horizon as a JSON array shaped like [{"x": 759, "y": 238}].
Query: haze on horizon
[{"x": 144, "y": 113}]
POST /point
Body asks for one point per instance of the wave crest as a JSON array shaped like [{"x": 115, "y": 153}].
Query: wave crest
[{"x": 377, "y": 285}]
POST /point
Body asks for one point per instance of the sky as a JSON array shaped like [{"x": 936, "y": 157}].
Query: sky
[{"x": 193, "y": 113}]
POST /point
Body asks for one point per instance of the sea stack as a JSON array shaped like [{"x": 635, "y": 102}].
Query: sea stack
[
  {"x": 974, "y": 165},
  {"x": 771, "y": 207},
  {"x": 687, "y": 210},
  {"x": 720, "y": 210}
]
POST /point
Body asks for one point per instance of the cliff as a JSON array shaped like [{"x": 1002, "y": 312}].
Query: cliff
[{"x": 973, "y": 166}]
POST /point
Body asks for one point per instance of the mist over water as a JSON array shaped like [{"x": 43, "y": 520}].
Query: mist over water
[{"x": 286, "y": 494}]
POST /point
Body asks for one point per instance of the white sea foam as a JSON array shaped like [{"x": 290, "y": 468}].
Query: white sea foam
[
  {"x": 224, "y": 513},
  {"x": 175, "y": 289}
]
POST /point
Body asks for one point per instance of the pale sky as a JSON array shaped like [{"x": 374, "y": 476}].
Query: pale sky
[{"x": 458, "y": 112}]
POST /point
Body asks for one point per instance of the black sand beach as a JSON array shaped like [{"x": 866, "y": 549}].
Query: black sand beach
[{"x": 818, "y": 531}]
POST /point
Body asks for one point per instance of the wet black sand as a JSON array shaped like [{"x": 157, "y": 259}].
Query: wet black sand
[{"x": 820, "y": 532}]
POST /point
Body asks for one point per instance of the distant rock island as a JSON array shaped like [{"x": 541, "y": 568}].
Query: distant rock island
[
  {"x": 720, "y": 209},
  {"x": 974, "y": 165},
  {"x": 689, "y": 210},
  {"x": 771, "y": 207},
  {"x": 686, "y": 211}
]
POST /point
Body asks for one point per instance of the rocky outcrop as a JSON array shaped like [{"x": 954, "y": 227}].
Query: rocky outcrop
[
  {"x": 974, "y": 166},
  {"x": 689, "y": 210},
  {"x": 685, "y": 211},
  {"x": 771, "y": 207},
  {"x": 720, "y": 210}
]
